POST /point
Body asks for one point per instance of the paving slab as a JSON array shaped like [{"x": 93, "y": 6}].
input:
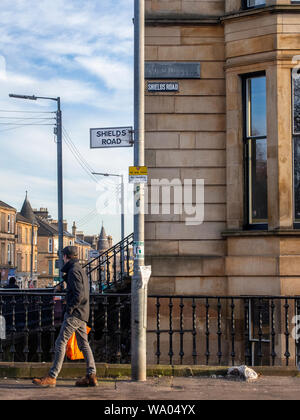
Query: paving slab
[{"x": 165, "y": 388}]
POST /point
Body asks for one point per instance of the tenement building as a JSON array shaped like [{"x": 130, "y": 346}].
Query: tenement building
[
  {"x": 26, "y": 247},
  {"x": 223, "y": 105},
  {"x": 7, "y": 242}
]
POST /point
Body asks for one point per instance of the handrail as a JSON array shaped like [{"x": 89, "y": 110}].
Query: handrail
[{"x": 110, "y": 250}]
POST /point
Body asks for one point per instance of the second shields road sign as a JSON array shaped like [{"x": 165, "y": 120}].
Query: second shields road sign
[{"x": 111, "y": 137}]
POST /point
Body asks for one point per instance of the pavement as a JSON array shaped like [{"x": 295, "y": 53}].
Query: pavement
[{"x": 164, "y": 388}]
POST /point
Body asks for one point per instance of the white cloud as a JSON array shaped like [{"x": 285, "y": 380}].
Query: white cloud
[
  {"x": 81, "y": 51},
  {"x": 115, "y": 74}
]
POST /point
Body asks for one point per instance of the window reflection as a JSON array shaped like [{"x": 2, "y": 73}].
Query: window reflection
[
  {"x": 259, "y": 180},
  {"x": 257, "y": 97},
  {"x": 254, "y": 3},
  {"x": 256, "y": 141}
]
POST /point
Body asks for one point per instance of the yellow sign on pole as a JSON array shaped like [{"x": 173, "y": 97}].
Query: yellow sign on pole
[{"x": 138, "y": 174}]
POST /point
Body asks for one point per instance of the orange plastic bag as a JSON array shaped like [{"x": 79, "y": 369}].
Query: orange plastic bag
[{"x": 73, "y": 352}]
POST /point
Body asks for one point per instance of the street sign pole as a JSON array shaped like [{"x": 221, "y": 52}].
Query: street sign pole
[
  {"x": 60, "y": 187},
  {"x": 138, "y": 292}
]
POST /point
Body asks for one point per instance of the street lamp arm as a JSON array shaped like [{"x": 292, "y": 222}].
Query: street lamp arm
[
  {"x": 33, "y": 97},
  {"x": 101, "y": 174}
]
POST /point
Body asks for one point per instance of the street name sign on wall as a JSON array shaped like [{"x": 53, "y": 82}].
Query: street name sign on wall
[
  {"x": 111, "y": 137},
  {"x": 138, "y": 174},
  {"x": 172, "y": 70},
  {"x": 163, "y": 87}
]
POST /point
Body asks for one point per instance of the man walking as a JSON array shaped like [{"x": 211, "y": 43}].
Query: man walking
[{"x": 75, "y": 320}]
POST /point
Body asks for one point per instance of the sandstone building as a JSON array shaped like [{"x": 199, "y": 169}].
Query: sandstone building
[
  {"x": 236, "y": 125},
  {"x": 26, "y": 247},
  {"x": 7, "y": 240}
]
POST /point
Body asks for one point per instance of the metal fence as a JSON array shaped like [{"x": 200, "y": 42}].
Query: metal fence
[
  {"x": 33, "y": 320},
  {"x": 200, "y": 330},
  {"x": 217, "y": 330}
]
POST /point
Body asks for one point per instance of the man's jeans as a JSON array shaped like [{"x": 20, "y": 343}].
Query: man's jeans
[{"x": 70, "y": 325}]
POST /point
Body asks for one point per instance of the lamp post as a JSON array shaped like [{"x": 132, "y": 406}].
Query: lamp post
[
  {"x": 138, "y": 289},
  {"x": 122, "y": 200},
  {"x": 58, "y": 132}
]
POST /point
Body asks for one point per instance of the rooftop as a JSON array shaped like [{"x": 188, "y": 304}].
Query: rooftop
[{"x": 6, "y": 206}]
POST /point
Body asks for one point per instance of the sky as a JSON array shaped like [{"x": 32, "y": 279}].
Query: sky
[{"x": 82, "y": 51}]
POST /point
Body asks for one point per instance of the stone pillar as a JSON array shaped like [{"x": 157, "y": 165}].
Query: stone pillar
[
  {"x": 232, "y": 6},
  {"x": 234, "y": 152},
  {"x": 280, "y": 153}
]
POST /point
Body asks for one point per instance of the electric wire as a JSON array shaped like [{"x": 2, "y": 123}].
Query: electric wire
[
  {"x": 84, "y": 217},
  {"x": 87, "y": 218},
  {"x": 31, "y": 124},
  {"x": 82, "y": 159},
  {"x": 15, "y": 127},
  {"x": 28, "y": 112},
  {"x": 27, "y": 118}
]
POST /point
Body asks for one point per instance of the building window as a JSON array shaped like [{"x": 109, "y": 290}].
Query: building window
[
  {"x": 8, "y": 253},
  {"x": 250, "y": 4},
  {"x": 19, "y": 235},
  {"x": 19, "y": 262},
  {"x": 51, "y": 268},
  {"x": 9, "y": 223},
  {"x": 255, "y": 143},
  {"x": 12, "y": 221},
  {"x": 12, "y": 254},
  {"x": 3, "y": 223},
  {"x": 3, "y": 261},
  {"x": 50, "y": 246}
]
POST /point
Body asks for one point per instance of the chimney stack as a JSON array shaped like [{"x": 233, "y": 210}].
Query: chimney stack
[{"x": 74, "y": 229}]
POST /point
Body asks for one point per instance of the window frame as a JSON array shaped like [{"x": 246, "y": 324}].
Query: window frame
[
  {"x": 246, "y": 7},
  {"x": 50, "y": 245},
  {"x": 50, "y": 268},
  {"x": 247, "y": 224},
  {"x": 9, "y": 254}
]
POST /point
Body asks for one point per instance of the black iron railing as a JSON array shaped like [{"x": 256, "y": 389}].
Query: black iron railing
[
  {"x": 215, "y": 330},
  {"x": 200, "y": 330},
  {"x": 33, "y": 320},
  {"x": 113, "y": 267}
]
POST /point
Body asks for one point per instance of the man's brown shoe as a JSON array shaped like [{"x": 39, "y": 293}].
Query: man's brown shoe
[
  {"x": 89, "y": 380},
  {"x": 46, "y": 382}
]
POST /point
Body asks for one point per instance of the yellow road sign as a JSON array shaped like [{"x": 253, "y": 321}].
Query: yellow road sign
[
  {"x": 138, "y": 170},
  {"x": 138, "y": 174}
]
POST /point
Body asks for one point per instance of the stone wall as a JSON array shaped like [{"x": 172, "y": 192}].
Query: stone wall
[{"x": 185, "y": 139}]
